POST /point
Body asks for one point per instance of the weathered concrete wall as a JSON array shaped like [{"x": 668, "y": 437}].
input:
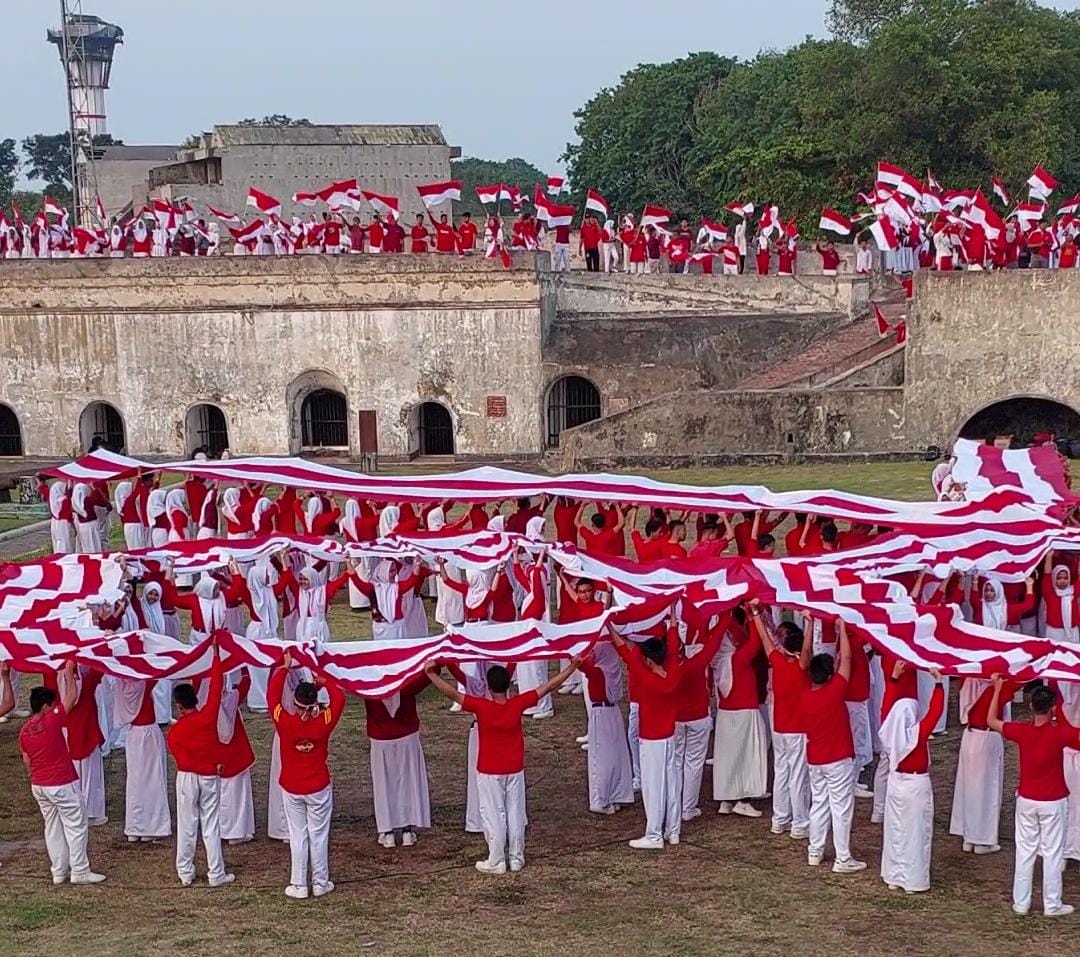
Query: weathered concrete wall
[
  {"x": 617, "y": 294},
  {"x": 633, "y": 358},
  {"x": 977, "y": 338},
  {"x": 882, "y": 368},
  {"x": 155, "y": 337},
  {"x": 703, "y": 425}
]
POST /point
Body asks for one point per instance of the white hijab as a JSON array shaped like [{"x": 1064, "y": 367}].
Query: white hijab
[
  {"x": 900, "y": 730},
  {"x": 264, "y": 603},
  {"x": 534, "y": 529},
  {"x": 995, "y": 613},
  {"x": 213, "y": 608},
  {"x": 176, "y": 501},
  {"x": 312, "y": 594},
  {"x": 497, "y": 523},
  {"x": 78, "y": 500},
  {"x": 260, "y": 508},
  {"x": 313, "y": 508},
  {"x": 388, "y": 520},
  {"x": 128, "y": 700},
  {"x": 155, "y": 504},
  {"x": 352, "y": 516},
  {"x": 57, "y": 493},
  {"x": 479, "y": 581},
  {"x": 153, "y": 613},
  {"x": 1064, "y": 594},
  {"x": 436, "y": 519},
  {"x": 230, "y": 502},
  {"x": 120, "y": 495}
]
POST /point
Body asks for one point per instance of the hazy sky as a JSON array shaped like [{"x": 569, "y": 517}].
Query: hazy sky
[{"x": 499, "y": 81}]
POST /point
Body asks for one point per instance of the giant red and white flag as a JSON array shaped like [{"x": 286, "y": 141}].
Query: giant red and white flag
[
  {"x": 597, "y": 203},
  {"x": 833, "y": 222},
  {"x": 434, "y": 194},
  {"x": 655, "y": 216},
  {"x": 884, "y": 234},
  {"x": 265, "y": 204},
  {"x": 1041, "y": 184},
  {"x": 1000, "y": 191}
]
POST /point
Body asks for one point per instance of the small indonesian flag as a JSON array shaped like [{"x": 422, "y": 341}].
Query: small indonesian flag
[
  {"x": 832, "y": 221},
  {"x": 516, "y": 199},
  {"x": 434, "y": 194},
  {"x": 1028, "y": 213},
  {"x": 791, "y": 229},
  {"x": 892, "y": 175},
  {"x": 897, "y": 210},
  {"x": 770, "y": 220},
  {"x": 957, "y": 198},
  {"x": 1070, "y": 208},
  {"x": 305, "y": 199},
  {"x": 655, "y": 216},
  {"x": 884, "y": 234},
  {"x": 552, "y": 213},
  {"x": 1000, "y": 191},
  {"x": 740, "y": 209},
  {"x": 263, "y": 203},
  {"x": 555, "y": 185},
  {"x": 230, "y": 218},
  {"x": 1041, "y": 184},
  {"x": 99, "y": 209},
  {"x": 247, "y": 232},
  {"x": 901, "y": 331},
  {"x": 882, "y": 322},
  {"x": 713, "y": 230},
  {"x": 52, "y": 207},
  {"x": 490, "y": 194},
  {"x": 932, "y": 182},
  {"x": 980, "y": 213},
  {"x": 384, "y": 204},
  {"x": 597, "y": 203}
]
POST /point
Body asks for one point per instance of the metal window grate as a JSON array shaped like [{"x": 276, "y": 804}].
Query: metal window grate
[
  {"x": 436, "y": 430},
  {"x": 211, "y": 430},
  {"x": 572, "y": 401},
  {"x": 324, "y": 421},
  {"x": 10, "y": 433},
  {"x": 107, "y": 426}
]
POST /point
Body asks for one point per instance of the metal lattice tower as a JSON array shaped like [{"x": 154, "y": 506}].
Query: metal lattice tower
[{"x": 86, "y": 45}]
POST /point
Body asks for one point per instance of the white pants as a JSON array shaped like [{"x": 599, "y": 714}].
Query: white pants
[
  {"x": 859, "y": 717},
  {"x": 135, "y": 535},
  {"x": 146, "y": 793},
  {"x": 634, "y": 741},
  {"x": 909, "y": 832},
  {"x": 832, "y": 800},
  {"x": 66, "y": 828},
  {"x": 1040, "y": 831},
  {"x": 980, "y": 774},
  {"x": 560, "y": 257},
  {"x": 881, "y": 785},
  {"x": 87, "y": 538},
  {"x": 474, "y": 822},
  {"x": 236, "y": 808},
  {"x": 660, "y": 789},
  {"x": 277, "y": 825},
  {"x": 610, "y": 777},
  {"x": 309, "y": 816},
  {"x": 502, "y": 809},
  {"x": 197, "y": 800},
  {"x": 691, "y": 749},
  {"x": 62, "y": 533},
  {"x": 791, "y": 781},
  {"x": 530, "y": 676},
  {"x": 91, "y": 772}
]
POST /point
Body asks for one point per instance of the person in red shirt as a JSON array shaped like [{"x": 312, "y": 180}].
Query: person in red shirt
[
  {"x": 693, "y": 723},
  {"x": 602, "y": 538},
  {"x": 307, "y": 790},
  {"x": 446, "y": 238},
  {"x": 830, "y": 753},
  {"x": 830, "y": 258},
  {"x": 53, "y": 780},
  {"x": 589, "y": 243},
  {"x": 673, "y": 547},
  {"x": 376, "y": 234},
  {"x": 467, "y": 232},
  {"x": 1041, "y": 796},
  {"x": 393, "y": 237},
  {"x": 909, "y": 801},
  {"x": 518, "y": 520},
  {"x": 500, "y": 761},
  {"x": 653, "y": 669},
  {"x": 331, "y": 234},
  {"x": 1039, "y": 242},
  {"x": 648, "y": 547},
  {"x": 356, "y": 236},
  {"x": 789, "y": 657},
  {"x": 710, "y": 542},
  {"x": 419, "y": 235},
  {"x": 682, "y": 240},
  {"x": 193, "y": 742}
]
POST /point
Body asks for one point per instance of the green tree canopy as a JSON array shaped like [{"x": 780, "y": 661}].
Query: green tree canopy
[
  {"x": 9, "y": 166},
  {"x": 48, "y": 160},
  {"x": 967, "y": 88},
  {"x": 473, "y": 172}
]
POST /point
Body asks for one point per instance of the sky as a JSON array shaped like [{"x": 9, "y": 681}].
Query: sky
[{"x": 499, "y": 83}]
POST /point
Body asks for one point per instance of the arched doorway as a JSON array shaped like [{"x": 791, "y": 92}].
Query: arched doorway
[
  {"x": 205, "y": 429},
  {"x": 572, "y": 400},
  {"x": 432, "y": 429},
  {"x": 11, "y": 443},
  {"x": 324, "y": 421},
  {"x": 102, "y": 426},
  {"x": 1023, "y": 418}
]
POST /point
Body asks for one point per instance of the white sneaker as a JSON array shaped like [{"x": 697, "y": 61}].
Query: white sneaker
[
  {"x": 968, "y": 847},
  {"x": 646, "y": 844},
  {"x": 725, "y": 807},
  {"x": 691, "y": 814},
  {"x": 408, "y": 838},
  {"x": 321, "y": 890},
  {"x": 62, "y": 879},
  {"x": 1063, "y": 911},
  {"x": 610, "y": 809},
  {"x": 90, "y": 878},
  {"x": 799, "y": 834},
  {"x": 987, "y": 848},
  {"x": 187, "y": 881},
  {"x": 584, "y": 747},
  {"x": 1020, "y": 911},
  {"x": 863, "y": 792},
  {"x": 296, "y": 892},
  {"x": 745, "y": 809},
  {"x": 778, "y": 829},
  {"x": 582, "y": 739},
  {"x": 814, "y": 858},
  {"x": 455, "y": 708},
  {"x": 850, "y": 866},
  {"x": 516, "y": 864},
  {"x": 540, "y": 715},
  {"x": 227, "y": 879},
  {"x": 97, "y": 821},
  {"x": 673, "y": 839},
  {"x": 877, "y": 817},
  {"x": 233, "y": 841},
  {"x": 132, "y": 839},
  {"x": 387, "y": 840},
  {"x": 485, "y": 868},
  {"x": 636, "y": 785}
]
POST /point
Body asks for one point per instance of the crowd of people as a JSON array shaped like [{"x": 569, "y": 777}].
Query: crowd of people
[{"x": 842, "y": 721}]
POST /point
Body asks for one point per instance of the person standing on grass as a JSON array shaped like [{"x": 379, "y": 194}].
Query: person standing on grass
[
  {"x": 610, "y": 776},
  {"x": 830, "y": 753},
  {"x": 1042, "y": 796},
  {"x": 500, "y": 762},
  {"x": 193, "y": 741},
  {"x": 53, "y": 780},
  {"x": 307, "y": 790}
]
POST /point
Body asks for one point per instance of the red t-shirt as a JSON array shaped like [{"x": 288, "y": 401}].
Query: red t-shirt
[
  {"x": 654, "y": 694},
  {"x": 565, "y": 528},
  {"x": 789, "y": 681},
  {"x": 1042, "y": 758},
  {"x": 562, "y": 235},
  {"x": 193, "y": 739},
  {"x": 590, "y": 236},
  {"x": 859, "y": 681},
  {"x": 304, "y": 742},
  {"x": 501, "y": 742},
  {"x": 906, "y": 686},
  {"x": 467, "y": 235},
  {"x": 445, "y": 238},
  {"x": 826, "y": 723},
  {"x": 41, "y": 739},
  {"x": 744, "y": 681},
  {"x": 603, "y": 542}
]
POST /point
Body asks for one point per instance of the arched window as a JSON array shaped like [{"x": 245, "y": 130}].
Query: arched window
[
  {"x": 572, "y": 401},
  {"x": 1025, "y": 419},
  {"x": 11, "y": 443},
  {"x": 205, "y": 428},
  {"x": 101, "y": 426},
  {"x": 432, "y": 429},
  {"x": 324, "y": 421}
]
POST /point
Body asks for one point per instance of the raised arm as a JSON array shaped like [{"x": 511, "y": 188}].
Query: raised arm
[
  {"x": 844, "y": 666},
  {"x": 68, "y": 687},
  {"x": 759, "y": 625},
  {"x": 7, "y": 697},
  {"x": 553, "y": 683},
  {"x": 440, "y": 684},
  {"x": 993, "y": 717}
]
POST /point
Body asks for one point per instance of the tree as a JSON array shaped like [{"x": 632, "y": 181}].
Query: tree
[
  {"x": 9, "y": 166},
  {"x": 48, "y": 160},
  {"x": 859, "y": 19},
  {"x": 274, "y": 119},
  {"x": 473, "y": 172}
]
